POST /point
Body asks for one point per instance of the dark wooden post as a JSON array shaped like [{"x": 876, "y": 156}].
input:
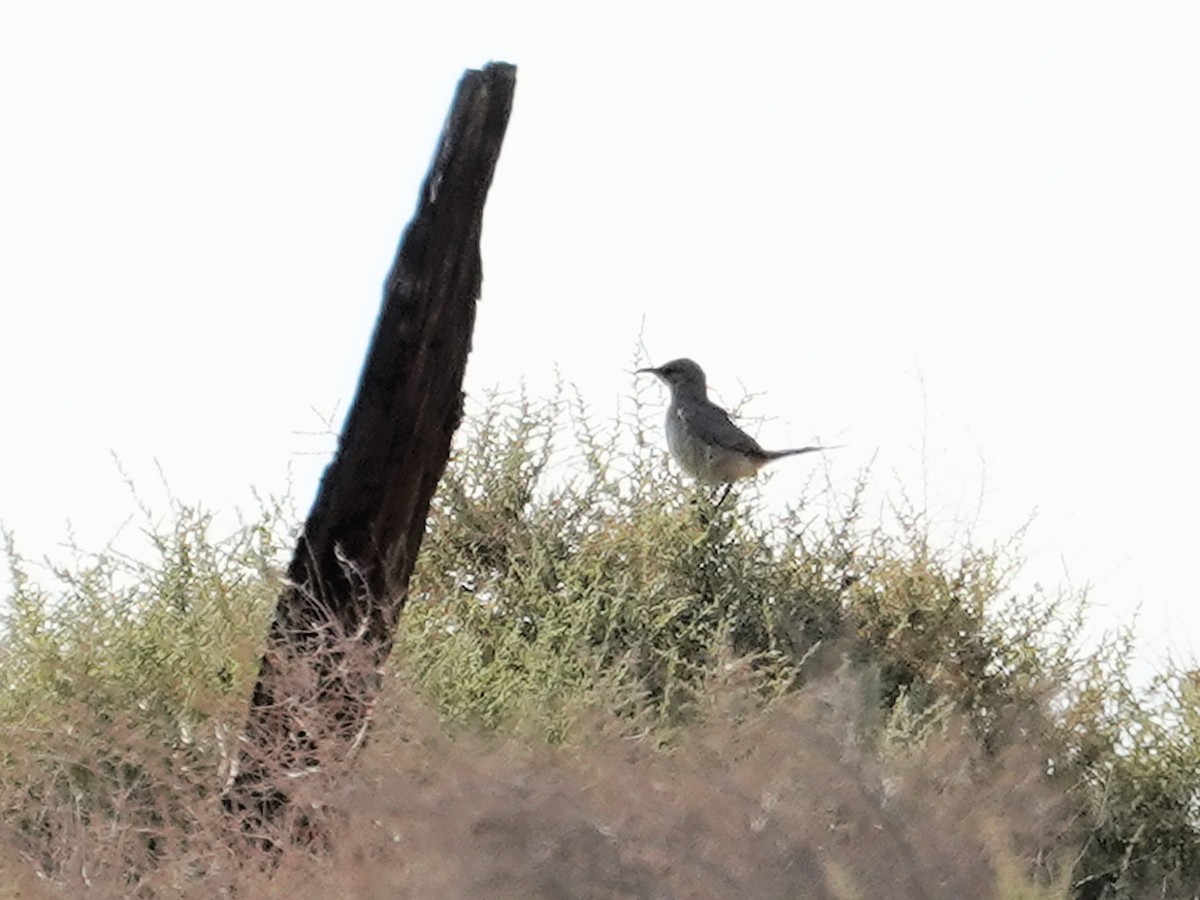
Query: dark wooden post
[{"x": 348, "y": 579}]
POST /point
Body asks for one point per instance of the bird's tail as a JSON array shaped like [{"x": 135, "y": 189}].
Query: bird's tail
[{"x": 779, "y": 454}]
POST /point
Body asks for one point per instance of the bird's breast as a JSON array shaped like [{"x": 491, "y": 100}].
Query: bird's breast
[{"x": 702, "y": 459}]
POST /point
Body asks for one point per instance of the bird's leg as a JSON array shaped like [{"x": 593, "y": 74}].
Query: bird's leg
[
  {"x": 724, "y": 494},
  {"x": 712, "y": 556},
  {"x": 707, "y": 506},
  {"x": 706, "y": 509}
]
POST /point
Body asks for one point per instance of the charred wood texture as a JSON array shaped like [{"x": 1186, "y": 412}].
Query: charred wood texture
[{"x": 335, "y": 622}]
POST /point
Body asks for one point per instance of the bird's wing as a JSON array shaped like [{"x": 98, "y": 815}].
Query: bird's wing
[{"x": 713, "y": 425}]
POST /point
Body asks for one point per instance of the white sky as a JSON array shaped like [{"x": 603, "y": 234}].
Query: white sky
[{"x": 963, "y": 241}]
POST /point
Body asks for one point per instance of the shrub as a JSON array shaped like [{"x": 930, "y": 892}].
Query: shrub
[
  {"x": 124, "y": 688},
  {"x": 570, "y": 577}
]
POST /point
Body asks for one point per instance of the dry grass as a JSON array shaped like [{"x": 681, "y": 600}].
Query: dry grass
[{"x": 788, "y": 803}]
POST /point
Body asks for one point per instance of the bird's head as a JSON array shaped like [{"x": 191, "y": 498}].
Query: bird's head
[{"x": 681, "y": 376}]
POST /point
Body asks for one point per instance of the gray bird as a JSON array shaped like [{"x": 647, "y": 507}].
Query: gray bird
[{"x": 700, "y": 435}]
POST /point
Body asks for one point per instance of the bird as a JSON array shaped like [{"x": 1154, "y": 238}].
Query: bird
[{"x": 701, "y": 436}]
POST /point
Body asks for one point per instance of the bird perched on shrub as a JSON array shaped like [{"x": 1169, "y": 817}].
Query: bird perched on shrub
[{"x": 701, "y": 436}]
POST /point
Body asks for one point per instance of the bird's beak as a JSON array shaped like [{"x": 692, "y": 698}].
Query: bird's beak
[{"x": 651, "y": 371}]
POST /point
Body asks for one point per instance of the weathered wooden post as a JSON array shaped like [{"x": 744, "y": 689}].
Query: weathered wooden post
[{"x": 348, "y": 579}]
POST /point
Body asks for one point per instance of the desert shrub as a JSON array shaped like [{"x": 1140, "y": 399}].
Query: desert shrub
[
  {"x": 540, "y": 596},
  {"x": 533, "y": 593},
  {"x": 1136, "y": 757},
  {"x": 568, "y": 573},
  {"x": 123, "y": 684},
  {"x": 532, "y": 588}
]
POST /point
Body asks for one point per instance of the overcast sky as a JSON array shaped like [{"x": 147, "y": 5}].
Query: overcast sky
[{"x": 963, "y": 242}]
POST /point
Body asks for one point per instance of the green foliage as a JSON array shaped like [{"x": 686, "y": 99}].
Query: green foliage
[
  {"x": 532, "y": 589},
  {"x": 1137, "y": 753},
  {"x": 532, "y": 595},
  {"x": 128, "y": 672},
  {"x": 157, "y": 636}
]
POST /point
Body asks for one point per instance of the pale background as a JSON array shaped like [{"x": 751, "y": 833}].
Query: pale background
[{"x": 962, "y": 241}]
